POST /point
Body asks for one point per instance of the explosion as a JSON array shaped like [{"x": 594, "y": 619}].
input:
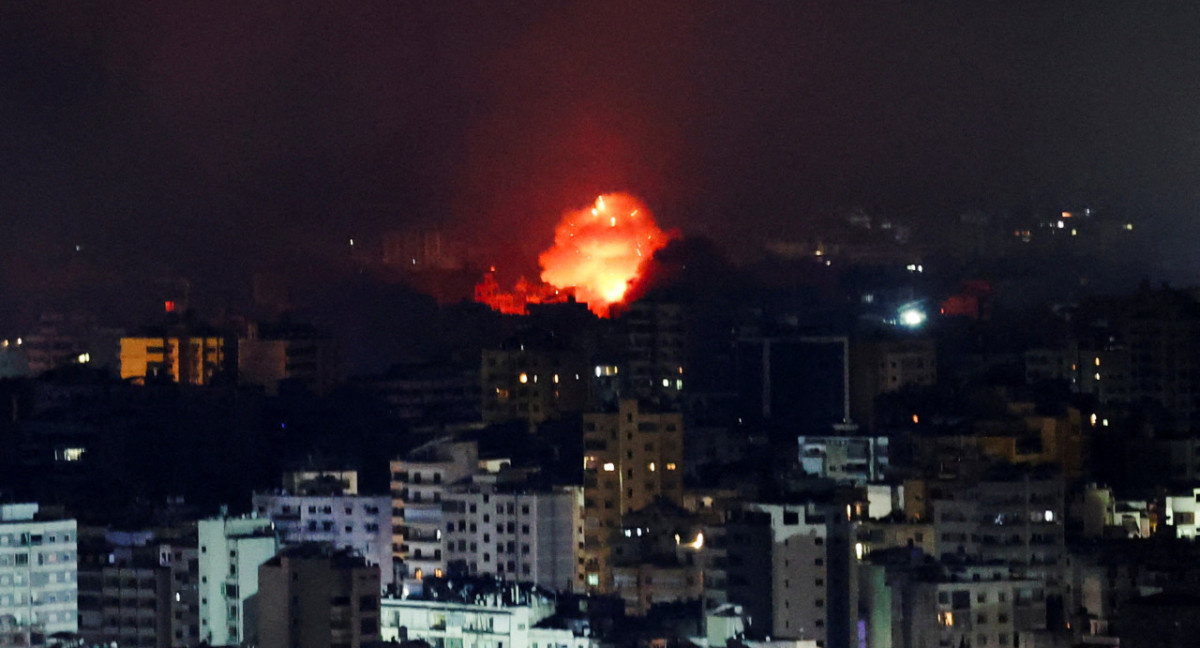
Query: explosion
[{"x": 599, "y": 250}]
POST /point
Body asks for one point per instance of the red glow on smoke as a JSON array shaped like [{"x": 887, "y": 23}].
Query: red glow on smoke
[{"x": 598, "y": 252}]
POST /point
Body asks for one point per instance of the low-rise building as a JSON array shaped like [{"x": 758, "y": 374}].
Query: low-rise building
[
  {"x": 854, "y": 459},
  {"x": 476, "y": 613},
  {"x": 360, "y": 523}
]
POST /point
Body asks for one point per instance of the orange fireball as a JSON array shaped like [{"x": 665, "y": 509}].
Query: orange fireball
[{"x": 599, "y": 250}]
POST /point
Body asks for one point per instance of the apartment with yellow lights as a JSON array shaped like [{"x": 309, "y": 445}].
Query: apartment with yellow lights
[
  {"x": 175, "y": 356},
  {"x": 632, "y": 458},
  {"x": 521, "y": 383}
]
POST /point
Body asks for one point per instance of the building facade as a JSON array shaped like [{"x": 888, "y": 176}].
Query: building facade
[
  {"x": 314, "y": 596},
  {"x": 632, "y": 458},
  {"x": 419, "y": 483},
  {"x": 357, "y": 522},
  {"x": 182, "y": 358},
  {"x": 38, "y": 575},
  {"x": 515, "y": 533},
  {"x": 231, "y": 550},
  {"x": 791, "y": 567}
]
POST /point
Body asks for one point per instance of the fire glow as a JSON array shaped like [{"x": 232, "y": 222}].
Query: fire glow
[{"x": 598, "y": 252}]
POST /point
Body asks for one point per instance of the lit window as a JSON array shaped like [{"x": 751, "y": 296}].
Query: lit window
[
  {"x": 609, "y": 467},
  {"x": 70, "y": 454},
  {"x": 523, "y": 378},
  {"x": 651, "y": 466},
  {"x": 671, "y": 465}
]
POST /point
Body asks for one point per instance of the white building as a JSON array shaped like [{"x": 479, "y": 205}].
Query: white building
[
  {"x": 1181, "y": 513},
  {"x": 419, "y": 481},
  {"x": 515, "y": 534},
  {"x": 357, "y": 522},
  {"x": 502, "y": 615},
  {"x": 38, "y": 575},
  {"x": 231, "y": 550}
]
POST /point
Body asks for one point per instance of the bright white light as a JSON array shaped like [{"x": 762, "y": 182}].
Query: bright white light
[{"x": 912, "y": 317}]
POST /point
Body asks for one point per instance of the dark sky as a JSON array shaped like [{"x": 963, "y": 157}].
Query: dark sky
[{"x": 204, "y": 140}]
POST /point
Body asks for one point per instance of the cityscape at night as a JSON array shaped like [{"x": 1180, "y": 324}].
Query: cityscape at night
[{"x": 569, "y": 324}]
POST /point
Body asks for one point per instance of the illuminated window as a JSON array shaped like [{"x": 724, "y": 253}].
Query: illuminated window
[
  {"x": 523, "y": 378},
  {"x": 946, "y": 619},
  {"x": 671, "y": 465},
  {"x": 70, "y": 454},
  {"x": 593, "y": 579},
  {"x": 651, "y": 466},
  {"x": 609, "y": 467}
]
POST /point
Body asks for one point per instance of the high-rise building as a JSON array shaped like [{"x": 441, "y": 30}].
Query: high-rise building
[
  {"x": 38, "y": 588},
  {"x": 135, "y": 590},
  {"x": 656, "y": 347},
  {"x": 174, "y": 356},
  {"x": 632, "y": 458},
  {"x": 514, "y": 533},
  {"x": 270, "y": 354},
  {"x": 885, "y": 366},
  {"x": 313, "y": 596},
  {"x": 524, "y": 384},
  {"x": 419, "y": 482},
  {"x": 1009, "y": 518},
  {"x": 907, "y": 601},
  {"x": 791, "y": 567},
  {"x": 231, "y": 550}
]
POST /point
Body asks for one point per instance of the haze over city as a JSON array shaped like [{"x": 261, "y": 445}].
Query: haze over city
[
  {"x": 145, "y": 142},
  {"x": 567, "y": 324}
]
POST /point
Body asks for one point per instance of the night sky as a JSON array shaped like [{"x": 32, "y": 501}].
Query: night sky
[{"x": 207, "y": 140}]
